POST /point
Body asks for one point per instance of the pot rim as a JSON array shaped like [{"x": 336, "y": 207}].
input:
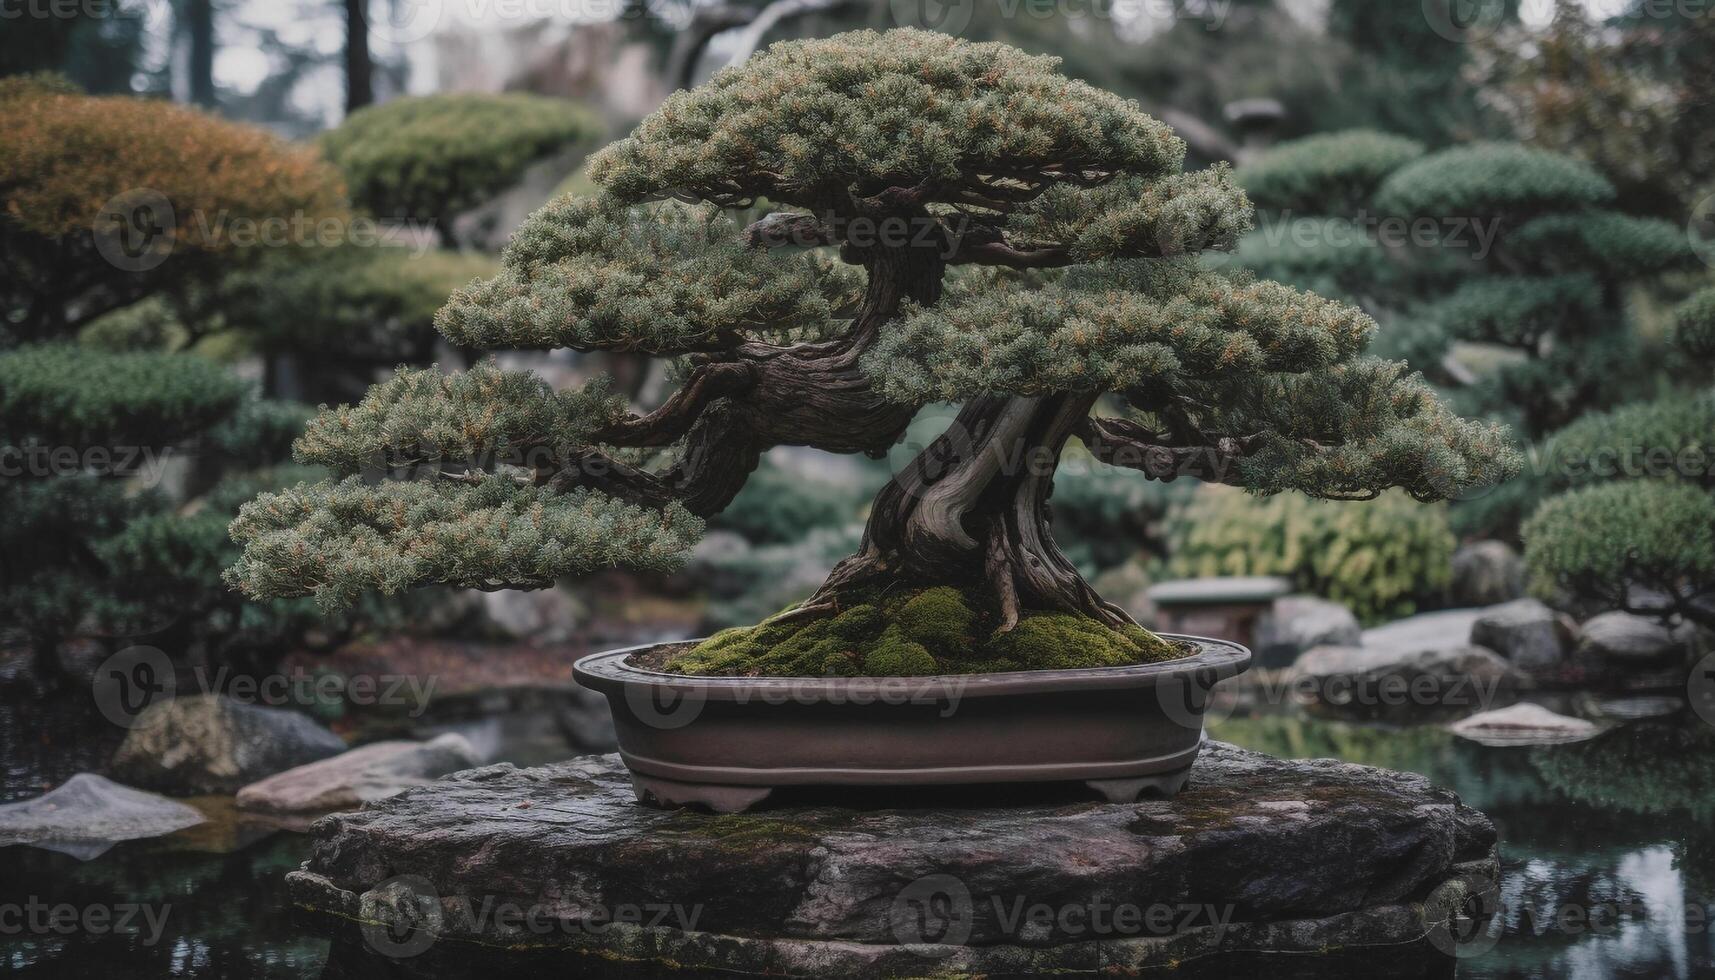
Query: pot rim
[{"x": 1214, "y": 660}]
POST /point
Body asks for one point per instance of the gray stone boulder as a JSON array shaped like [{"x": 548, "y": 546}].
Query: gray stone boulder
[
  {"x": 363, "y": 775},
  {"x": 1256, "y": 853},
  {"x": 212, "y": 744},
  {"x": 1622, "y": 638},
  {"x": 1531, "y": 636},
  {"x": 540, "y": 616},
  {"x": 1405, "y": 682},
  {"x": 1523, "y": 724},
  {"x": 1487, "y": 573},
  {"x": 88, "y": 814},
  {"x": 1300, "y": 623},
  {"x": 1451, "y": 627}
]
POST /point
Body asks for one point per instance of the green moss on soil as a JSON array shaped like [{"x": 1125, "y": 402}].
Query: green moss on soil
[{"x": 939, "y": 630}]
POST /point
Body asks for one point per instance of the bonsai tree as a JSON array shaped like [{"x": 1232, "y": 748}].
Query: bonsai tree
[
  {"x": 429, "y": 158},
  {"x": 962, "y": 224}
]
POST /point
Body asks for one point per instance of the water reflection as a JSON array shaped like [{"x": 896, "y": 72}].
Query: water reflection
[{"x": 1607, "y": 860}]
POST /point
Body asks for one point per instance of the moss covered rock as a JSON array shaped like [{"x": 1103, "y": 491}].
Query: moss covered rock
[{"x": 939, "y": 630}]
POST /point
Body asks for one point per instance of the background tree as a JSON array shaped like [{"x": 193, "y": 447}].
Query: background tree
[
  {"x": 1633, "y": 526},
  {"x": 1522, "y": 300},
  {"x": 942, "y": 154},
  {"x": 430, "y": 158},
  {"x": 1636, "y": 531},
  {"x": 102, "y": 443},
  {"x": 1630, "y": 95}
]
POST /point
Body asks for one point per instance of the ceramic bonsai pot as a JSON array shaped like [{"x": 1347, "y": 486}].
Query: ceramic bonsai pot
[{"x": 728, "y": 742}]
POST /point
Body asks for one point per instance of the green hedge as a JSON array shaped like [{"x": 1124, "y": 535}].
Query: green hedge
[{"x": 1385, "y": 558}]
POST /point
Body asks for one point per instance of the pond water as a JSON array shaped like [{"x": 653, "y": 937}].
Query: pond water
[{"x": 1608, "y": 850}]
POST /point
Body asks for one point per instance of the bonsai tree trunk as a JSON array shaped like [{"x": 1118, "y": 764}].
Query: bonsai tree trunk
[{"x": 973, "y": 510}]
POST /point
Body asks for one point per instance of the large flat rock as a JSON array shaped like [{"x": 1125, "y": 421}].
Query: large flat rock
[{"x": 1256, "y": 853}]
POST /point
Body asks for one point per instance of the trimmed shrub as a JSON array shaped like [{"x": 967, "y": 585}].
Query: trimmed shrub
[
  {"x": 428, "y": 158},
  {"x": 1331, "y": 173},
  {"x": 66, "y": 157},
  {"x": 1695, "y": 331}
]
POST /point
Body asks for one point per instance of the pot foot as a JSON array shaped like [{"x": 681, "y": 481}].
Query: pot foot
[
  {"x": 669, "y": 794},
  {"x": 1165, "y": 785}
]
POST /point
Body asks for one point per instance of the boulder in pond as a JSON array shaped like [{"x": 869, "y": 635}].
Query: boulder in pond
[
  {"x": 363, "y": 775},
  {"x": 208, "y": 743},
  {"x": 88, "y": 814},
  {"x": 1531, "y": 636},
  {"x": 1622, "y": 638},
  {"x": 1487, "y": 573},
  {"x": 1256, "y": 853},
  {"x": 1523, "y": 724}
]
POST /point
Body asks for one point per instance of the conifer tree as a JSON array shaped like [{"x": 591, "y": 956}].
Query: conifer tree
[
  {"x": 959, "y": 222},
  {"x": 1634, "y": 525},
  {"x": 91, "y": 544},
  {"x": 429, "y": 158},
  {"x": 1494, "y": 244}
]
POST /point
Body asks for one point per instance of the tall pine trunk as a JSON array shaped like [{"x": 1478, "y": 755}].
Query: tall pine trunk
[{"x": 359, "y": 66}]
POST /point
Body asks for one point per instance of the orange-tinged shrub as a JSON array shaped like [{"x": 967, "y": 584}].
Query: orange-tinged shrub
[{"x": 65, "y": 155}]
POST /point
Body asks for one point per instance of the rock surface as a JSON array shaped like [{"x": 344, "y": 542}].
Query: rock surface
[
  {"x": 1487, "y": 573},
  {"x": 1531, "y": 636},
  {"x": 1427, "y": 631},
  {"x": 89, "y": 814},
  {"x": 1523, "y": 724},
  {"x": 1255, "y": 853},
  {"x": 211, "y": 744},
  {"x": 1625, "y": 638},
  {"x": 363, "y": 775},
  {"x": 1299, "y": 623}
]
